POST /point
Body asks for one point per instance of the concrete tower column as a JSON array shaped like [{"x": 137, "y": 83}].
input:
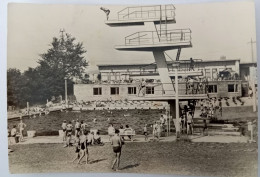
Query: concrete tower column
[{"x": 163, "y": 72}]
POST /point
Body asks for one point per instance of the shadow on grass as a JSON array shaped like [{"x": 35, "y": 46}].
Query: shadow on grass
[
  {"x": 130, "y": 166},
  {"x": 96, "y": 161}
]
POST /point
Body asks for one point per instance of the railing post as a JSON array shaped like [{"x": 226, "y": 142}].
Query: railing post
[{"x": 128, "y": 12}]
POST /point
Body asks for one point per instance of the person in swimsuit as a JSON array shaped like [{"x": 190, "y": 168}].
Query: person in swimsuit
[
  {"x": 83, "y": 140},
  {"x": 77, "y": 149},
  {"x": 68, "y": 133},
  {"x": 107, "y": 11},
  {"x": 189, "y": 121},
  {"x": 77, "y": 127},
  {"x": 64, "y": 128},
  {"x": 145, "y": 132},
  {"x": 117, "y": 143},
  {"x": 21, "y": 127}
]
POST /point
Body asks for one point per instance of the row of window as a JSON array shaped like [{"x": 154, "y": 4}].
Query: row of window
[
  {"x": 115, "y": 90},
  {"x": 231, "y": 88},
  {"x": 150, "y": 90}
]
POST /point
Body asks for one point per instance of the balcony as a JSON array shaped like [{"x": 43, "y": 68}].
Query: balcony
[
  {"x": 165, "y": 39},
  {"x": 137, "y": 15}
]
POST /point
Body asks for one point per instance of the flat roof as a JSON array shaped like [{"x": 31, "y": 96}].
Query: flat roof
[{"x": 170, "y": 62}]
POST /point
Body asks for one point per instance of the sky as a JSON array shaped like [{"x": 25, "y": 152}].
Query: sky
[{"x": 218, "y": 29}]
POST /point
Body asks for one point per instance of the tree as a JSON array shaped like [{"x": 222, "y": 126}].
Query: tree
[
  {"x": 18, "y": 92},
  {"x": 64, "y": 59}
]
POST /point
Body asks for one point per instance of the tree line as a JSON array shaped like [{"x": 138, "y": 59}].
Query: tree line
[{"x": 64, "y": 58}]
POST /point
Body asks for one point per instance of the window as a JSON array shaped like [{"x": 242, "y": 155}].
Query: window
[
  {"x": 149, "y": 90},
  {"x": 114, "y": 90},
  {"x": 131, "y": 90},
  {"x": 212, "y": 89},
  {"x": 97, "y": 91},
  {"x": 232, "y": 87}
]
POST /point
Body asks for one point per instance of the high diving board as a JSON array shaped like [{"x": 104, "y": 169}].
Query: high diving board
[
  {"x": 133, "y": 22},
  {"x": 137, "y": 15}
]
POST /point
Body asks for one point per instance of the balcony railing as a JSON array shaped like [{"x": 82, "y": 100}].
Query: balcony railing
[
  {"x": 176, "y": 36},
  {"x": 147, "y": 12}
]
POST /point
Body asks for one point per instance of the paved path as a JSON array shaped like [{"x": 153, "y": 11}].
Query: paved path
[{"x": 140, "y": 138}]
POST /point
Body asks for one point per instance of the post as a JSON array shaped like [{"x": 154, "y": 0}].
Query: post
[
  {"x": 66, "y": 97},
  {"x": 28, "y": 108},
  {"x": 177, "y": 105}
]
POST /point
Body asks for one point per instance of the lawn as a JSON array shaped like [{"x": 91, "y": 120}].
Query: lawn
[
  {"x": 180, "y": 158},
  {"x": 51, "y": 123}
]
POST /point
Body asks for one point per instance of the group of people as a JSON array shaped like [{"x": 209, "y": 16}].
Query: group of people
[
  {"x": 186, "y": 118},
  {"x": 79, "y": 128},
  {"x": 17, "y": 132},
  {"x": 195, "y": 85}
]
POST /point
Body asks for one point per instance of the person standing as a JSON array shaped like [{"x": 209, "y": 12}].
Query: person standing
[
  {"x": 64, "y": 129},
  {"x": 145, "y": 132},
  {"x": 84, "y": 147},
  {"x": 117, "y": 143},
  {"x": 21, "y": 127},
  {"x": 191, "y": 64},
  {"x": 77, "y": 127},
  {"x": 189, "y": 121},
  {"x": 69, "y": 133},
  {"x": 111, "y": 131}
]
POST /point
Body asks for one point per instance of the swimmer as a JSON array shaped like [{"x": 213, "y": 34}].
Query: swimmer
[{"x": 117, "y": 143}]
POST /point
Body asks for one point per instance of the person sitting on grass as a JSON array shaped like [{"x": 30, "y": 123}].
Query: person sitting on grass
[
  {"x": 117, "y": 143},
  {"x": 14, "y": 134},
  {"x": 97, "y": 139},
  {"x": 84, "y": 147},
  {"x": 90, "y": 138}
]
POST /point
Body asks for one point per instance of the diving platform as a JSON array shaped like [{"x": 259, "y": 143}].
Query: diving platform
[
  {"x": 138, "y": 15},
  {"x": 157, "y": 40}
]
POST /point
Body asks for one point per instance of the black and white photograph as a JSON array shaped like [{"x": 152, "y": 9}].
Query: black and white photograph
[{"x": 167, "y": 89}]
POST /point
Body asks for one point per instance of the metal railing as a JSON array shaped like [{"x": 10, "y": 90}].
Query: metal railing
[
  {"x": 176, "y": 36},
  {"x": 185, "y": 65},
  {"x": 147, "y": 12}
]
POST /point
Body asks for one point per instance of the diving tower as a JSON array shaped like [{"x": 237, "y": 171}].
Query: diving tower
[{"x": 156, "y": 37}]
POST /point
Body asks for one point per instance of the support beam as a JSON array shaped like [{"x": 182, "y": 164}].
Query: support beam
[{"x": 163, "y": 72}]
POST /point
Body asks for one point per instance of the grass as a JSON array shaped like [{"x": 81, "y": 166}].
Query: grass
[
  {"x": 50, "y": 124},
  {"x": 179, "y": 158}
]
